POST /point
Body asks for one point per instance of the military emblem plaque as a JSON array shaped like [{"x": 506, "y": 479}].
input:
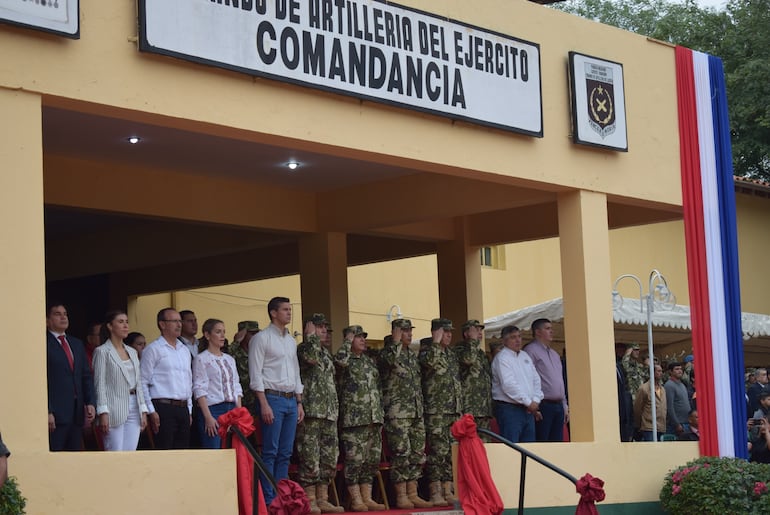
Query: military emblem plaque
[{"x": 598, "y": 102}]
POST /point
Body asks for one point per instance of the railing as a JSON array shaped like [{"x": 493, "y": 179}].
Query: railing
[
  {"x": 259, "y": 465},
  {"x": 524, "y": 455}
]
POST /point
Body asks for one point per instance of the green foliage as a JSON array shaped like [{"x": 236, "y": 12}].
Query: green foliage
[
  {"x": 721, "y": 486},
  {"x": 738, "y": 34},
  {"x": 11, "y": 500}
]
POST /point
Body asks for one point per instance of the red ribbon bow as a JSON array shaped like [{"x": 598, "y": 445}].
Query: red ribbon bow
[{"x": 591, "y": 489}]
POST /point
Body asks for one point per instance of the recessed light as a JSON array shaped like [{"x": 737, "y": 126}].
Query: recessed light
[
  {"x": 134, "y": 139},
  {"x": 292, "y": 165}
]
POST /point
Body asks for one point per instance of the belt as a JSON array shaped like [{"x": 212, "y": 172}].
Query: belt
[
  {"x": 173, "y": 402},
  {"x": 288, "y": 395},
  {"x": 516, "y": 404},
  {"x": 132, "y": 392},
  {"x": 549, "y": 401}
]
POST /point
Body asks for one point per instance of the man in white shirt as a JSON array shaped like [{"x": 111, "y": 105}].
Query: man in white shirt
[
  {"x": 516, "y": 390},
  {"x": 167, "y": 379},
  {"x": 275, "y": 380}
]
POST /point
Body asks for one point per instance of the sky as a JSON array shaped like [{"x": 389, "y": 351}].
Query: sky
[{"x": 712, "y": 3}]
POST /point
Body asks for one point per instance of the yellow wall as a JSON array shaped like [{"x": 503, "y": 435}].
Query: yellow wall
[{"x": 104, "y": 73}]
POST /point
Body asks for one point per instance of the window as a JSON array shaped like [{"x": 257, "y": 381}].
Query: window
[{"x": 493, "y": 257}]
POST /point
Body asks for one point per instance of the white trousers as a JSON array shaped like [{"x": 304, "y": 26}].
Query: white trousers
[{"x": 125, "y": 437}]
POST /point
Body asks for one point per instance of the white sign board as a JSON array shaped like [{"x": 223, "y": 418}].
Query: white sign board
[
  {"x": 57, "y": 16},
  {"x": 598, "y": 102},
  {"x": 368, "y": 49}
]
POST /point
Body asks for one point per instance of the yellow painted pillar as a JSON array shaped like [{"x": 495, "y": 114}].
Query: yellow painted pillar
[
  {"x": 459, "y": 278},
  {"x": 22, "y": 274},
  {"x": 589, "y": 335},
  {"x": 323, "y": 265}
]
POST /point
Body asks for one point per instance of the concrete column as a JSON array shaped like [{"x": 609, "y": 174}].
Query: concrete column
[
  {"x": 459, "y": 278},
  {"x": 589, "y": 335},
  {"x": 323, "y": 266},
  {"x": 22, "y": 274}
]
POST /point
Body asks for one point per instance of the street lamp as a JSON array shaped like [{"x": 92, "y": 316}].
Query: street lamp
[{"x": 657, "y": 291}]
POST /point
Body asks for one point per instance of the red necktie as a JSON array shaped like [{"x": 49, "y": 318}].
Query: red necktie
[{"x": 67, "y": 351}]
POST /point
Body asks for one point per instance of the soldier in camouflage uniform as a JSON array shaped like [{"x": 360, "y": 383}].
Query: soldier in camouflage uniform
[
  {"x": 636, "y": 372},
  {"x": 404, "y": 427},
  {"x": 239, "y": 350},
  {"x": 360, "y": 417},
  {"x": 475, "y": 374},
  {"x": 443, "y": 404},
  {"x": 316, "y": 440}
]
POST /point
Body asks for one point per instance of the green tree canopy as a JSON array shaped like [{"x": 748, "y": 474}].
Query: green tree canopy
[{"x": 739, "y": 34}]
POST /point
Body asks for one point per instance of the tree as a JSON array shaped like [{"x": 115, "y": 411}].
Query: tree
[{"x": 738, "y": 34}]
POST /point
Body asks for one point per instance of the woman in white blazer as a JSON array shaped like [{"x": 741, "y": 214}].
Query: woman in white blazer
[{"x": 120, "y": 406}]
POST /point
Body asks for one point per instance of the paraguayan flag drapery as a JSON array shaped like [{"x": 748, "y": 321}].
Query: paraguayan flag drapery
[{"x": 708, "y": 198}]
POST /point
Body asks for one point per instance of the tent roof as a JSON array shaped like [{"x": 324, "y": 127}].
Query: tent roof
[{"x": 671, "y": 326}]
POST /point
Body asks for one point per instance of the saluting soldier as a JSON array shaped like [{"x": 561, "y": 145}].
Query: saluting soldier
[
  {"x": 239, "y": 350},
  {"x": 636, "y": 372},
  {"x": 443, "y": 404},
  {"x": 475, "y": 374},
  {"x": 317, "y": 443},
  {"x": 360, "y": 417},
  {"x": 403, "y": 403}
]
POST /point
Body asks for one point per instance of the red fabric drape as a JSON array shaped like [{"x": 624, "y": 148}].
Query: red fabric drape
[
  {"x": 477, "y": 492},
  {"x": 591, "y": 489},
  {"x": 242, "y": 419},
  {"x": 290, "y": 499}
]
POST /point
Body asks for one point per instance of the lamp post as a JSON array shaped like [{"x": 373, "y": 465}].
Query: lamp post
[{"x": 657, "y": 290}]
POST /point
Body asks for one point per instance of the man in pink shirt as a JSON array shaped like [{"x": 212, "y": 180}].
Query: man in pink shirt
[{"x": 547, "y": 362}]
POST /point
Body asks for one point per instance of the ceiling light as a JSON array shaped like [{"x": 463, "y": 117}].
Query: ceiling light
[
  {"x": 292, "y": 165},
  {"x": 134, "y": 139}
]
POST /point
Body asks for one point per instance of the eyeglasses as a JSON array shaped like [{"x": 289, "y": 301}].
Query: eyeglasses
[{"x": 175, "y": 321}]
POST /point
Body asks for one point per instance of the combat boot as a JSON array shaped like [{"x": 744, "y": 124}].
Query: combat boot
[
  {"x": 310, "y": 492},
  {"x": 322, "y": 499},
  {"x": 366, "y": 495},
  {"x": 411, "y": 493},
  {"x": 402, "y": 501},
  {"x": 449, "y": 492},
  {"x": 356, "y": 504},
  {"x": 435, "y": 494}
]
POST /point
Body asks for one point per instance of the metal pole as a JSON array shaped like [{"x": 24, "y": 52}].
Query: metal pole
[{"x": 652, "y": 368}]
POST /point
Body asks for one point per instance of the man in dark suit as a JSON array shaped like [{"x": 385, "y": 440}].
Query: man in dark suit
[{"x": 70, "y": 384}]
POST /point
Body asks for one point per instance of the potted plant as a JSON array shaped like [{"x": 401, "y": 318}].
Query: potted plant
[
  {"x": 721, "y": 486},
  {"x": 11, "y": 500}
]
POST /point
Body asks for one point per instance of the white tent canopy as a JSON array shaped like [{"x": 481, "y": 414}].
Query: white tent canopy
[{"x": 670, "y": 326}]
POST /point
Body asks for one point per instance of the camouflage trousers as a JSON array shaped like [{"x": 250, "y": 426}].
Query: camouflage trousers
[
  {"x": 439, "y": 439},
  {"x": 317, "y": 451},
  {"x": 406, "y": 440},
  {"x": 362, "y": 448}
]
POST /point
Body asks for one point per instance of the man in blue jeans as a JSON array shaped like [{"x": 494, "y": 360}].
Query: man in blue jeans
[
  {"x": 516, "y": 389},
  {"x": 275, "y": 380}
]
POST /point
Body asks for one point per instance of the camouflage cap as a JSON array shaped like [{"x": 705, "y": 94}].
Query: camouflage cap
[
  {"x": 472, "y": 323},
  {"x": 357, "y": 330},
  {"x": 317, "y": 319},
  {"x": 634, "y": 346},
  {"x": 250, "y": 325},
  {"x": 403, "y": 323},
  {"x": 441, "y": 323}
]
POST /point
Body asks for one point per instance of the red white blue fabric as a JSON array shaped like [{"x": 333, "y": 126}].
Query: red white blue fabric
[{"x": 708, "y": 198}]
